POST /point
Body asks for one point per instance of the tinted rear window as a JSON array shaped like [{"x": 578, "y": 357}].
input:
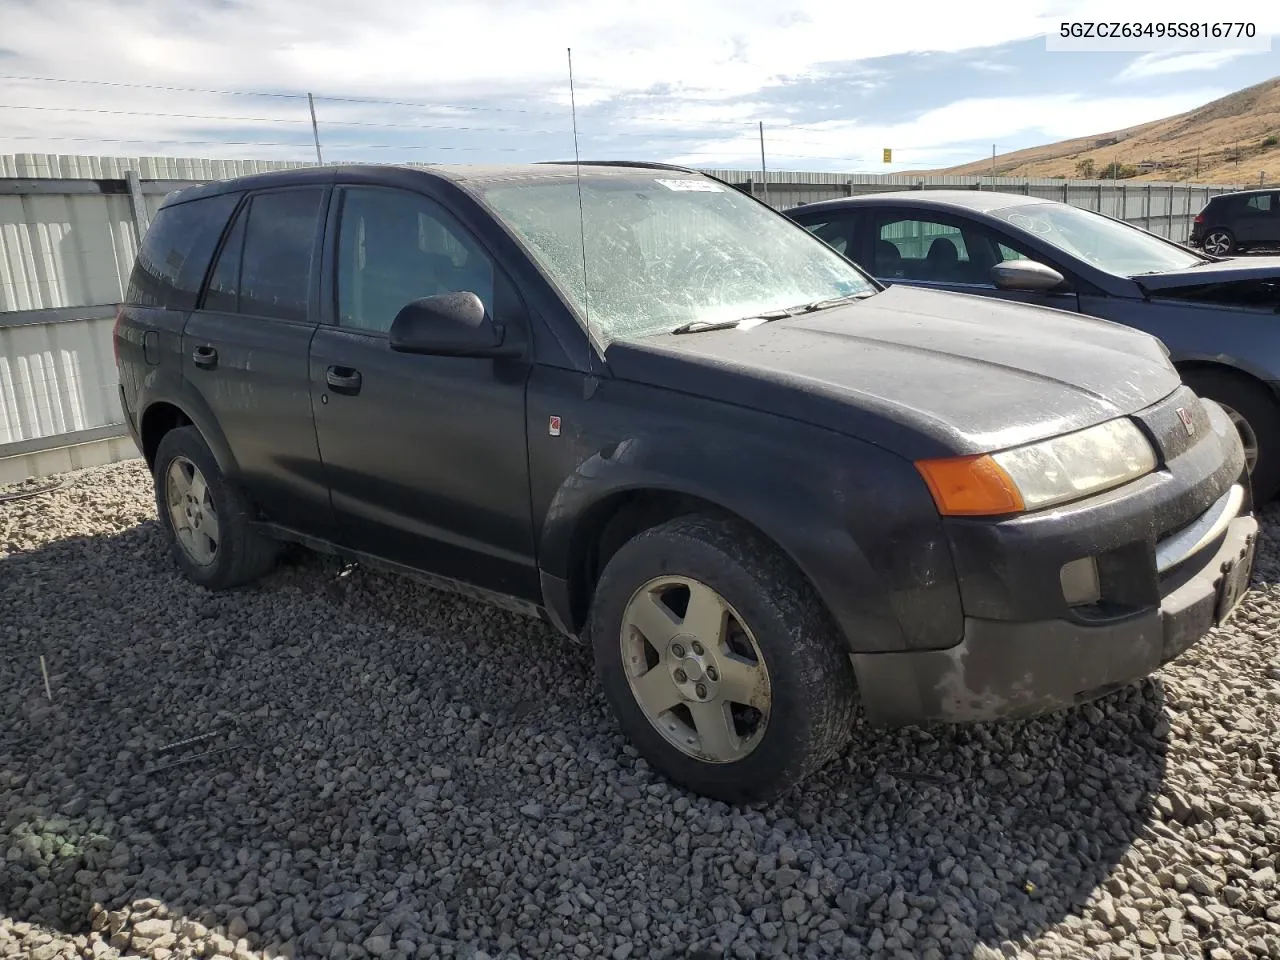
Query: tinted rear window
[
  {"x": 175, "y": 252},
  {"x": 275, "y": 275}
]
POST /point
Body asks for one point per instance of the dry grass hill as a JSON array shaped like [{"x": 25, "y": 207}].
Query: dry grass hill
[{"x": 1227, "y": 141}]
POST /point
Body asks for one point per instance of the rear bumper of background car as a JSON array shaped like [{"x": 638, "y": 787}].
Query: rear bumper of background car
[{"x": 1005, "y": 669}]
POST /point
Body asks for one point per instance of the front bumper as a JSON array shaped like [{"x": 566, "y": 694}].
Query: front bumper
[
  {"x": 1006, "y": 669},
  {"x": 1173, "y": 551}
]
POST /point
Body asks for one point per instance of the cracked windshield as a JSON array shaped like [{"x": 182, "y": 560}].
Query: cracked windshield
[{"x": 665, "y": 250}]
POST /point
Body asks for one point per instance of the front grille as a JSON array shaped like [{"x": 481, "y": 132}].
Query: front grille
[{"x": 1166, "y": 427}]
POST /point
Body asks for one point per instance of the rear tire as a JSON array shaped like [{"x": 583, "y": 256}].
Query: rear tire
[
  {"x": 1219, "y": 242},
  {"x": 1247, "y": 400},
  {"x": 761, "y": 653},
  {"x": 207, "y": 519}
]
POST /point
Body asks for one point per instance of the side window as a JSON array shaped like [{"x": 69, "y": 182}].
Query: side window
[
  {"x": 265, "y": 266},
  {"x": 1008, "y": 253},
  {"x": 1261, "y": 203},
  {"x": 395, "y": 247},
  {"x": 223, "y": 292},
  {"x": 174, "y": 253},
  {"x": 919, "y": 249}
]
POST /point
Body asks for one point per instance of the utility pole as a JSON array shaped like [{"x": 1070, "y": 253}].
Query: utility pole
[
  {"x": 764, "y": 174},
  {"x": 315, "y": 129}
]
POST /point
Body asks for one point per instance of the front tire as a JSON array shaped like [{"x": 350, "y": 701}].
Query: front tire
[
  {"x": 1256, "y": 415},
  {"x": 719, "y": 661},
  {"x": 206, "y": 518}
]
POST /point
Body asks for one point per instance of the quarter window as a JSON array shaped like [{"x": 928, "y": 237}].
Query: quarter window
[
  {"x": 1261, "y": 203},
  {"x": 175, "y": 252},
  {"x": 396, "y": 247}
]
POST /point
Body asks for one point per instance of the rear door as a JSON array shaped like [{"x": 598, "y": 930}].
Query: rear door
[
  {"x": 245, "y": 350},
  {"x": 426, "y": 456},
  {"x": 163, "y": 288},
  {"x": 951, "y": 252},
  {"x": 1258, "y": 220}
]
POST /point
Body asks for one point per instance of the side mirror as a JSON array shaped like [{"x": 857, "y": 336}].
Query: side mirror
[
  {"x": 449, "y": 325},
  {"x": 1027, "y": 275}
]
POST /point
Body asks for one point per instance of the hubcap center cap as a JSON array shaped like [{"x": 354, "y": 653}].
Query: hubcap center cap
[{"x": 695, "y": 673}]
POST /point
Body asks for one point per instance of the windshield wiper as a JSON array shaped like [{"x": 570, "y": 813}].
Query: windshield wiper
[
  {"x": 833, "y": 302},
  {"x": 702, "y": 326}
]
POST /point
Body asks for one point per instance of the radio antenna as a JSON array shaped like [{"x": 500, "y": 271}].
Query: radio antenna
[{"x": 582, "y": 219}]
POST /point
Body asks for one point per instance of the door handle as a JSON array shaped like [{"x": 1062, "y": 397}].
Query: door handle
[
  {"x": 205, "y": 357},
  {"x": 343, "y": 380}
]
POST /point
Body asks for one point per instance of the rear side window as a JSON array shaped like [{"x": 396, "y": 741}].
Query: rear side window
[
  {"x": 175, "y": 252},
  {"x": 265, "y": 266},
  {"x": 1261, "y": 202}
]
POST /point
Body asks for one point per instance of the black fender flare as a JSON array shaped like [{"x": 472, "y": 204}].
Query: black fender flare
[
  {"x": 806, "y": 513},
  {"x": 196, "y": 409}
]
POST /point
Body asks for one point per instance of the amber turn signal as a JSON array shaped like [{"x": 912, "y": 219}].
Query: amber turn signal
[{"x": 970, "y": 486}]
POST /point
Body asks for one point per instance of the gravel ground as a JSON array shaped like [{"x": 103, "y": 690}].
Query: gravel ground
[{"x": 392, "y": 772}]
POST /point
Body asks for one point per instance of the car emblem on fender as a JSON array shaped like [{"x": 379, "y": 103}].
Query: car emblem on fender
[{"x": 1185, "y": 416}]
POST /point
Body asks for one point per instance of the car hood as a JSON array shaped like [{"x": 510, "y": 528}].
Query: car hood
[
  {"x": 1227, "y": 271},
  {"x": 919, "y": 372}
]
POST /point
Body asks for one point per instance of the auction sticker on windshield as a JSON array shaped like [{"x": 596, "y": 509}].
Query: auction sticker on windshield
[{"x": 695, "y": 186}]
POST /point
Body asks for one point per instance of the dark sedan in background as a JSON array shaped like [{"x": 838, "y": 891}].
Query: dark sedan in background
[{"x": 1216, "y": 316}]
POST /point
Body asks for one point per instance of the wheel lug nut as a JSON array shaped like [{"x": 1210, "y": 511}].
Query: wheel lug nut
[
  {"x": 681, "y": 676},
  {"x": 701, "y": 690},
  {"x": 677, "y": 650},
  {"x": 697, "y": 648},
  {"x": 712, "y": 674}
]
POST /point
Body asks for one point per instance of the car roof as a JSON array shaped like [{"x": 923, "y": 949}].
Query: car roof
[
  {"x": 1243, "y": 193},
  {"x": 979, "y": 201},
  {"x": 404, "y": 174}
]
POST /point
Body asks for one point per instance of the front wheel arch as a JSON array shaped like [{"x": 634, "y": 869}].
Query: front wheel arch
[{"x": 1252, "y": 398}]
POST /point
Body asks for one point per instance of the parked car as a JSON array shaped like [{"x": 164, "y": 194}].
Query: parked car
[
  {"x": 1235, "y": 222},
  {"x": 1216, "y": 316},
  {"x": 762, "y": 488}
]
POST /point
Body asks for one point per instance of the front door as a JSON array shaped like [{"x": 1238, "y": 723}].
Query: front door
[
  {"x": 426, "y": 456},
  {"x": 949, "y": 253}
]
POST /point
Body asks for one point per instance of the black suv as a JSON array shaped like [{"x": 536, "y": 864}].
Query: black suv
[
  {"x": 1235, "y": 222},
  {"x": 643, "y": 405}
]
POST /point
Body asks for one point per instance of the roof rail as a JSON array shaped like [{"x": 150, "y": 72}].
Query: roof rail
[{"x": 643, "y": 164}]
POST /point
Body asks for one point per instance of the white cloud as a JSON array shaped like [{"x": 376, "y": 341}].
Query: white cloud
[
  {"x": 947, "y": 135},
  {"x": 1163, "y": 64},
  {"x": 708, "y": 60}
]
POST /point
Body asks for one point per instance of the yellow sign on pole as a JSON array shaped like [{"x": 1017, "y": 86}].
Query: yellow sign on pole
[{"x": 888, "y": 155}]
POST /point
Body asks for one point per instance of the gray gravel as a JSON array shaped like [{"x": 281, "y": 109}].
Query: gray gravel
[{"x": 391, "y": 772}]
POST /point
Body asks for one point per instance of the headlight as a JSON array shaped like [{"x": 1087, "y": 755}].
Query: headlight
[{"x": 1042, "y": 474}]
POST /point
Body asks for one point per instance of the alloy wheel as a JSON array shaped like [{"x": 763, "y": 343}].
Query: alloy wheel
[
  {"x": 1218, "y": 243},
  {"x": 1248, "y": 436},
  {"x": 695, "y": 669},
  {"x": 192, "y": 511}
]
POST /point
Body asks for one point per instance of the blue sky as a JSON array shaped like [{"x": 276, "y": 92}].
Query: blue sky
[{"x": 486, "y": 80}]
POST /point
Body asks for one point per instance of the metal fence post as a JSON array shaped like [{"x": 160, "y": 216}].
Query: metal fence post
[
  {"x": 1066, "y": 190},
  {"x": 139, "y": 205},
  {"x": 1099, "y": 206},
  {"x": 1170, "y": 233},
  {"x": 1146, "y": 210}
]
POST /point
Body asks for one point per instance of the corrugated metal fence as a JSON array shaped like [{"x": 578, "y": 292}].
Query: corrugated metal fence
[{"x": 69, "y": 229}]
